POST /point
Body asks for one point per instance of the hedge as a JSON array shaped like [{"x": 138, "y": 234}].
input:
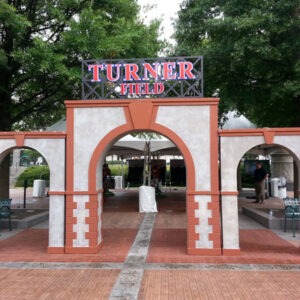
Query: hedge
[{"x": 32, "y": 173}]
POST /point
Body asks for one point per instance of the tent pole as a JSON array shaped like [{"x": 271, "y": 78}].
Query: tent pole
[{"x": 122, "y": 172}]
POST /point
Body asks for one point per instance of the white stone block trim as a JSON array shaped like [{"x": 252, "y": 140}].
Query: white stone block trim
[
  {"x": 203, "y": 228},
  {"x": 81, "y": 228}
]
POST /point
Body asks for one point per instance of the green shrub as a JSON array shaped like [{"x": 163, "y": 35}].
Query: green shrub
[
  {"x": 116, "y": 170},
  {"x": 32, "y": 173}
]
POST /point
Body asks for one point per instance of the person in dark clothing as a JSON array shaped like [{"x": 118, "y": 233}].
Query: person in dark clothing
[
  {"x": 260, "y": 175},
  {"x": 106, "y": 175}
]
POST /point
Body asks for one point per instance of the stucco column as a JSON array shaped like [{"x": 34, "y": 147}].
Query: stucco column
[
  {"x": 56, "y": 222},
  {"x": 230, "y": 225},
  {"x": 282, "y": 165},
  {"x": 296, "y": 180}
]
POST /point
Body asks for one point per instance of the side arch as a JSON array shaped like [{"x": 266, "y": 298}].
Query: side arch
[
  {"x": 52, "y": 147},
  {"x": 233, "y": 148}
]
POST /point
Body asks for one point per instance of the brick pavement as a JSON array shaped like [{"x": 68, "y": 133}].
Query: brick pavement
[
  {"x": 21, "y": 284},
  {"x": 122, "y": 220},
  {"x": 257, "y": 246},
  {"x": 31, "y": 245},
  {"x": 185, "y": 285},
  {"x": 168, "y": 245}
]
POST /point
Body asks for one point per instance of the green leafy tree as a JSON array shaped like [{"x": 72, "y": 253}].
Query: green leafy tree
[
  {"x": 251, "y": 55},
  {"x": 43, "y": 42}
]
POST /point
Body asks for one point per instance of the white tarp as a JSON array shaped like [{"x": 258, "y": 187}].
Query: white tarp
[
  {"x": 39, "y": 188},
  {"x": 118, "y": 182},
  {"x": 147, "y": 202}
]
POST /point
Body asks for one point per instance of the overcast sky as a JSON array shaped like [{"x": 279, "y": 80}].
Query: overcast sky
[{"x": 166, "y": 10}]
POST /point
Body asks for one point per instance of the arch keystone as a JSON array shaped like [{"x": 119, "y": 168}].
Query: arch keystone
[
  {"x": 269, "y": 137},
  {"x": 20, "y": 139},
  {"x": 141, "y": 114}
]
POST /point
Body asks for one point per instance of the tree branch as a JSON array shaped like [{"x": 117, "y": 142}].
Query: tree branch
[{"x": 35, "y": 106}]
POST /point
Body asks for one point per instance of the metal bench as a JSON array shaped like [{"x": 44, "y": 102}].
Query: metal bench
[
  {"x": 5, "y": 211},
  {"x": 291, "y": 211}
]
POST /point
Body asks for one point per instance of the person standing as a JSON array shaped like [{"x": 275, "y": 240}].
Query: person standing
[
  {"x": 106, "y": 176},
  {"x": 260, "y": 175}
]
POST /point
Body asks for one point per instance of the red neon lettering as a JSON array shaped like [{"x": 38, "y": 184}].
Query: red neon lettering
[
  {"x": 109, "y": 69},
  {"x": 95, "y": 69},
  {"x": 131, "y": 72},
  {"x": 147, "y": 89},
  {"x": 185, "y": 69},
  {"x": 130, "y": 88},
  {"x": 124, "y": 87},
  {"x": 149, "y": 69},
  {"x": 168, "y": 69},
  {"x": 158, "y": 88},
  {"x": 138, "y": 88}
]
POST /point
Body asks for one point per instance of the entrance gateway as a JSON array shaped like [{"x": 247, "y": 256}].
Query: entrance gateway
[{"x": 163, "y": 95}]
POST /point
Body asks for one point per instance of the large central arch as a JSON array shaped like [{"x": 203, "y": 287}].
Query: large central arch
[
  {"x": 95, "y": 182},
  {"x": 115, "y": 134},
  {"x": 95, "y": 125}
]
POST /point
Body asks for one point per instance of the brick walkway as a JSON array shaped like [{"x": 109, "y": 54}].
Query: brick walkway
[
  {"x": 56, "y": 284},
  {"x": 260, "y": 246},
  {"x": 31, "y": 245},
  {"x": 185, "y": 285},
  {"x": 168, "y": 273}
]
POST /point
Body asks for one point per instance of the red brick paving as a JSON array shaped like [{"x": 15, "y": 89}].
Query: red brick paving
[
  {"x": 31, "y": 245},
  {"x": 167, "y": 246},
  {"x": 173, "y": 202},
  {"x": 121, "y": 221},
  {"x": 170, "y": 220},
  {"x": 56, "y": 284},
  {"x": 190, "y": 285},
  {"x": 257, "y": 247},
  {"x": 122, "y": 201},
  {"x": 131, "y": 220}
]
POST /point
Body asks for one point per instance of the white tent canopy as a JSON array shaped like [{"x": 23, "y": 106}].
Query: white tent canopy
[{"x": 130, "y": 146}]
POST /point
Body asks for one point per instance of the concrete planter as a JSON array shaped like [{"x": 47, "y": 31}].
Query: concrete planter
[{"x": 271, "y": 222}]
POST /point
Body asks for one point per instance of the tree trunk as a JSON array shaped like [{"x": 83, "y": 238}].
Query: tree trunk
[
  {"x": 5, "y": 101},
  {"x": 5, "y": 125},
  {"x": 4, "y": 177}
]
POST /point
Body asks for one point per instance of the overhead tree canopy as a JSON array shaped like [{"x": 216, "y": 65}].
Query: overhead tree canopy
[
  {"x": 43, "y": 42},
  {"x": 251, "y": 55}
]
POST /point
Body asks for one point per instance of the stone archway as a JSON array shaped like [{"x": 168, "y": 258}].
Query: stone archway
[
  {"x": 51, "y": 145},
  {"x": 238, "y": 142},
  {"x": 174, "y": 118}
]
